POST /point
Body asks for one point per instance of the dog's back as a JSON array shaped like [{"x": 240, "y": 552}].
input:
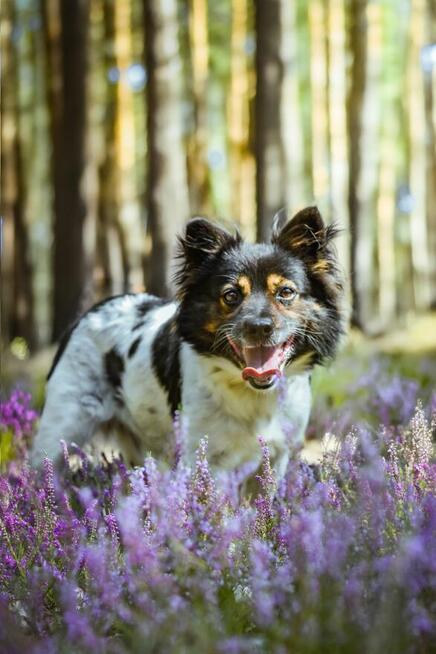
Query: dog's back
[{"x": 105, "y": 369}]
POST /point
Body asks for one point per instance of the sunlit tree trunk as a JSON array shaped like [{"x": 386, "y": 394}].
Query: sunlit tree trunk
[
  {"x": 386, "y": 220},
  {"x": 167, "y": 193},
  {"x": 291, "y": 111},
  {"x": 338, "y": 125},
  {"x": 359, "y": 262},
  {"x": 125, "y": 140},
  {"x": 391, "y": 168},
  {"x": 108, "y": 200},
  {"x": 305, "y": 94},
  {"x": 417, "y": 130},
  {"x": 368, "y": 181},
  {"x": 115, "y": 188},
  {"x": 318, "y": 22},
  {"x": 17, "y": 272},
  {"x": 199, "y": 51},
  {"x": 241, "y": 162},
  {"x": 66, "y": 34},
  {"x": 270, "y": 195},
  {"x": 430, "y": 140},
  {"x": 137, "y": 243}
]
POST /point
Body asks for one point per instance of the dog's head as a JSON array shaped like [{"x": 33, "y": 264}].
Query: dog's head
[{"x": 265, "y": 307}]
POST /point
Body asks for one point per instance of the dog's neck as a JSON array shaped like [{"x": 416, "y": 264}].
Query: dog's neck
[
  {"x": 218, "y": 402},
  {"x": 218, "y": 380}
]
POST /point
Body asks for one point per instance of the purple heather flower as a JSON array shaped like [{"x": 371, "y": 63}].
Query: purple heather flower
[
  {"x": 262, "y": 560},
  {"x": 16, "y": 414},
  {"x": 80, "y": 629},
  {"x": 105, "y": 557}
]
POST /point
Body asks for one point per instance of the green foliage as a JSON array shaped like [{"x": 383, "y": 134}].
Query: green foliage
[{"x": 6, "y": 449}]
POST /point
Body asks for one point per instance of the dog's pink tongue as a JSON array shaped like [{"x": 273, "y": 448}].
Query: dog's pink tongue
[{"x": 262, "y": 361}]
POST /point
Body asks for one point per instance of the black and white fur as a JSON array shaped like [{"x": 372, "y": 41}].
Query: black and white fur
[{"x": 131, "y": 361}]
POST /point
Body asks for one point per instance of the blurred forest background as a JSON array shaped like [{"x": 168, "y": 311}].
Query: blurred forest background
[{"x": 121, "y": 119}]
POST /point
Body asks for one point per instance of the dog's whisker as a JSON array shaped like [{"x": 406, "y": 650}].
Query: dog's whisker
[{"x": 222, "y": 334}]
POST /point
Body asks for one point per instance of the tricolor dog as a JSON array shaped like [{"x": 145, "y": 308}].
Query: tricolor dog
[{"x": 234, "y": 353}]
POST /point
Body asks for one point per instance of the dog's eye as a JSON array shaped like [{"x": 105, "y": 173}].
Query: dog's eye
[
  {"x": 231, "y": 297},
  {"x": 286, "y": 294}
]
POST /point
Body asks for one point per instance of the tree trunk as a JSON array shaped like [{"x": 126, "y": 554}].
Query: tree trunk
[
  {"x": 366, "y": 277},
  {"x": 241, "y": 161},
  {"x": 430, "y": 140},
  {"x": 108, "y": 193},
  {"x": 270, "y": 196},
  {"x": 291, "y": 111},
  {"x": 66, "y": 32},
  {"x": 419, "y": 232},
  {"x": 199, "y": 51},
  {"x": 167, "y": 193},
  {"x": 18, "y": 307},
  {"x": 337, "y": 127},
  {"x": 319, "y": 58},
  {"x": 125, "y": 138},
  {"x": 386, "y": 219},
  {"x": 357, "y": 45}
]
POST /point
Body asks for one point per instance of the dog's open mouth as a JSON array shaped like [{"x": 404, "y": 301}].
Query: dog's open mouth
[{"x": 263, "y": 364}]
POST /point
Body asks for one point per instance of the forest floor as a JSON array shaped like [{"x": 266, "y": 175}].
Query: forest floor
[{"x": 410, "y": 351}]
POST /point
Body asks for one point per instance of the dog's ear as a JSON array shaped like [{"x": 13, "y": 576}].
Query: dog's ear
[
  {"x": 279, "y": 221},
  {"x": 202, "y": 241},
  {"x": 305, "y": 235}
]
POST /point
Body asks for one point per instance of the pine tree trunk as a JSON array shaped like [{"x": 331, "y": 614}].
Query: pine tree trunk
[
  {"x": 241, "y": 161},
  {"x": 66, "y": 35},
  {"x": 318, "y": 24},
  {"x": 365, "y": 279},
  {"x": 125, "y": 138},
  {"x": 419, "y": 227},
  {"x": 357, "y": 45},
  {"x": 270, "y": 196},
  {"x": 386, "y": 220},
  {"x": 108, "y": 200},
  {"x": 337, "y": 127},
  {"x": 430, "y": 140},
  {"x": 18, "y": 307},
  {"x": 199, "y": 51},
  {"x": 291, "y": 111},
  {"x": 167, "y": 193}
]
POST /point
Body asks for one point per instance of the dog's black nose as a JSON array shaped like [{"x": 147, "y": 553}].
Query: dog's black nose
[{"x": 257, "y": 328}]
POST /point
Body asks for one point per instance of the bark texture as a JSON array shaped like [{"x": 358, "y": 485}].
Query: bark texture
[
  {"x": 17, "y": 317},
  {"x": 66, "y": 36},
  {"x": 357, "y": 45},
  {"x": 270, "y": 196},
  {"x": 166, "y": 190}
]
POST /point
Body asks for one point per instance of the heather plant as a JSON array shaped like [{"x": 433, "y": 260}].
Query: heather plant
[
  {"x": 377, "y": 395},
  {"x": 16, "y": 423},
  {"x": 337, "y": 558}
]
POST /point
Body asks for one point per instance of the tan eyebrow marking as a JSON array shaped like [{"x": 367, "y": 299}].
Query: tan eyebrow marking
[
  {"x": 275, "y": 281},
  {"x": 244, "y": 284}
]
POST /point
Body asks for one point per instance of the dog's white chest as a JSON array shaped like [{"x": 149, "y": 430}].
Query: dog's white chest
[{"x": 217, "y": 403}]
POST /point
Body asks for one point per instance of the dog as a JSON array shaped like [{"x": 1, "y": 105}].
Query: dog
[{"x": 233, "y": 354}]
